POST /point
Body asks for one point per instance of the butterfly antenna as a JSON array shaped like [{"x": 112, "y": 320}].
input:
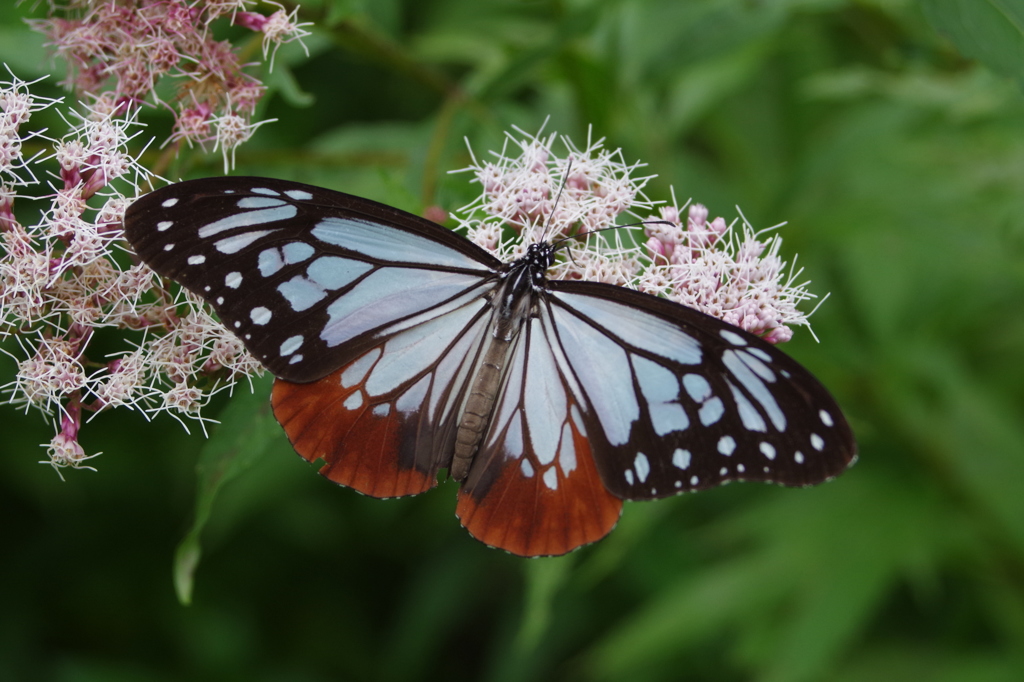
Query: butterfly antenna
[
  {"x": 558, "y": 197},
  {"x": 584, "y": 235}
]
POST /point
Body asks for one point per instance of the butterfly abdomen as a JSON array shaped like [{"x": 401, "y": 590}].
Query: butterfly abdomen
[
  {"x": 511, "y": 303},
  {"x": 476, "y": 415}
]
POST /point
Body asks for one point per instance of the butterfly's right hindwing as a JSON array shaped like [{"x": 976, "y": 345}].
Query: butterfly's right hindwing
[{"x": 385, "y": 422}]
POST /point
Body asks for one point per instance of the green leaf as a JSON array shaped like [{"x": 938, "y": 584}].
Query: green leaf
[
  {"x": 991, "y": 31},
  {"x": 283, "y": 80},
  {"x": 247, "y": 429},
  {"x": 544, "y": 578}
]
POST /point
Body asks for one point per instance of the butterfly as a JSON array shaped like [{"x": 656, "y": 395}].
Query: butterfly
[{"x": 400, "y": 349}]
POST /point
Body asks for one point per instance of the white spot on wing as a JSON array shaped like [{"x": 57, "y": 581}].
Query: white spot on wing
[
  {"x": 733, "y": 338},
  {"x": 799, "y": 457},
  {"x": 331, "y": 272},
  {"x": 642, "y": 466},
  {"x": 382, "y": 410},
  {"x": 259, "y": 202},
  {"x": 269, "y": 261},
  {"x": 567, "y": 452},
  {"x": 826, "y": 418},
  {"x": 629, "y": 476},
  {"x": 233, "y": 279},
  {"x": 248, "y": 219},
  {"x": 711, "y": 411},
  {"x": 291, "y": 344},
  {"x": 757, "y": 352},
  {"x": 551, "y": 478},
  {"x": 577, "y": 420},
  {"x": 694, "y": 480},
  {"x": 668, "y": 417},
  {"x": 526, "y": 468},
  {"x": 301, "y": 293},
  {"x": 759, "y": 368},
  {"x": 236, "y": 243},
  {"x": 681, "y": 458},
  {"x": 354, "y": 401},
  {"x": 296, "y": 252},
  {"x": 355, "y": 372},
  {"x": 168, "y": 247},
  {"x": 266, "y": 191},
  {"x": 660, "y": 388},
  {"x": 767, "y": 449},
  {"x": 817, "y": 442},
  {"x": 298, "y": 194},
  {"x": 726, "y": 445},
  {"x": 196, "y": 260},
  {"x": 295, "y": 358},
  {"x": 741, "y": 368},
  {"x": 413, "y": 398},
  {"x": 749, "y": 415},
  {"x": 514, "y": 437},
  {"x": 167, "y": 203},
  {"x": 697, "y": 387},
  {"x": 163, "y": 225},
  {"x": 260, "y": 315}
]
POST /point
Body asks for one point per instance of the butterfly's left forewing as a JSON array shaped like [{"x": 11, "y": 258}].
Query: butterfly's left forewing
[{"x": 299, "y": 273}]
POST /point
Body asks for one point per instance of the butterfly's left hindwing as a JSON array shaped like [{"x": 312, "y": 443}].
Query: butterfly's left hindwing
[
  {"x": 534, "y": 487},
  {"x": 299, "y": 272}
]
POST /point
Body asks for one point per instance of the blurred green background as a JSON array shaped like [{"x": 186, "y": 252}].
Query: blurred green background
[{"x": 898, "y": 161}]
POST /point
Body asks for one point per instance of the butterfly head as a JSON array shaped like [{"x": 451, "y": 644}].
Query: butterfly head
[{"x": 539, "y": 257}]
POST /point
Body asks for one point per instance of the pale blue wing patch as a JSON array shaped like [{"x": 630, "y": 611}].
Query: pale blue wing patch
[
  {"x": 387, "y": 295},
  {"x": 385, "y": 243}
]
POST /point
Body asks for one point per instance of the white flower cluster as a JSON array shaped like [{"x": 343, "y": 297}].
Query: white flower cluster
[{"x": 67, "y": 275}]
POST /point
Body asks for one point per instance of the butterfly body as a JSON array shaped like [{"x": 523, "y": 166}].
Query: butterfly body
[
  {"x": 512, "y": 302},
  {"x": 402, "y": 349}
]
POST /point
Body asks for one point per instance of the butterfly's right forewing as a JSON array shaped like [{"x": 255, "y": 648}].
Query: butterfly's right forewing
[{"x": 299, "y": 273}]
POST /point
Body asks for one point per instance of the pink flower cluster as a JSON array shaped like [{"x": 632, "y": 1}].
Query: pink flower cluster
[
  {"x": 119, "y": 52},
  {"x": 539, "y": 195},
  {"x": 67, "y": 276},
  {"x": 533, "y": 194},
  {"x": 737, "y": 278}
]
